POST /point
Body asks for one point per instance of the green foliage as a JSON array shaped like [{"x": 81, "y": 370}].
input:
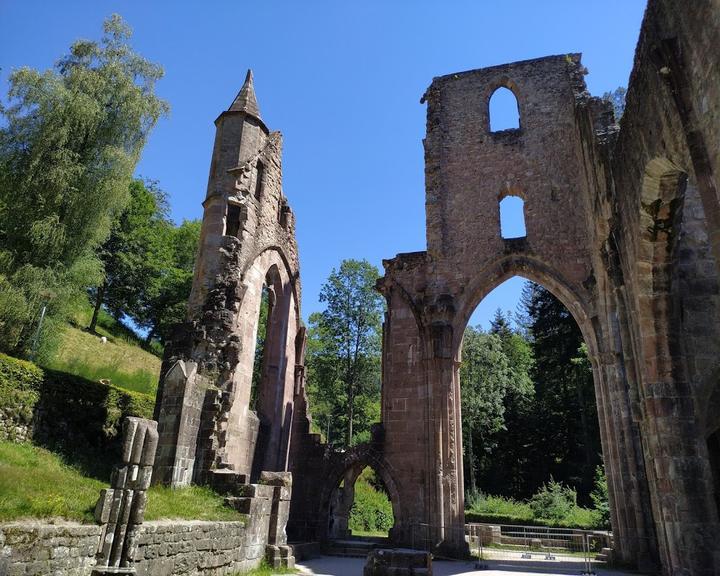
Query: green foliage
[
  {"x": 482, "y": 507},
  {"x": 371, "y": 511},
  {"x": 148, "y": 263},
  {"x": 36, "y": 483},
  {"x": 20, "y": 383},
  {"x": 80, "y": 418},
  {"x": 599, "y": 497},
  {"x": 553, "y": 501},
  {"x": 69, "y": 142},
  {"x": 343, "y": 353},
  {"x": 260, "y": 347}
]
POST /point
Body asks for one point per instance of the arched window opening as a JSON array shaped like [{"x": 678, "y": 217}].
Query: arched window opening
[
  {"x": 529, "y": 414},
  {"x": 260, "y": 348},
  {"x": 232, "y": 220},
  {"x": 360, "y": 506},
  {"x": 512, "y": 217},
  {"x": 259, "y": 179},
  {"x": 504, "y": 110}
]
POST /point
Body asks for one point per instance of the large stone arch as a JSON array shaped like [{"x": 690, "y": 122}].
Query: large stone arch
[
  {"x": 261, "y": 437},
  {"x": 530, "y": 268}
]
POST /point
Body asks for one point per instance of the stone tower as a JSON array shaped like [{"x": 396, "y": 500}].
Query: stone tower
[{"x": 207, "y": 423}]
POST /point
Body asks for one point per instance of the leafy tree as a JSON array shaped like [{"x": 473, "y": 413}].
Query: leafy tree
[
  {"x": 148, "y": 264},
  {"x": 554, "y": 501},
  {"x": 505, "y": 471},
  {"x": 69, "y": 143},
  {"x": 134, "y": 253},
  {"x": 566, "y": 437},
  {"x": 166, "y": 302},
  {"x": 599, "y": 496},
  {"x": 343, "y": 355},
  {"x": 485, "y": 378}
]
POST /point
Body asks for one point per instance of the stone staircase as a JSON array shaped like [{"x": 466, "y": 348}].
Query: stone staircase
[{"x": 357, "y": 547}]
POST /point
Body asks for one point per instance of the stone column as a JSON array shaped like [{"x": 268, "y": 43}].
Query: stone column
[
  {"x": 277, "y": 552},
  {"x": 121, "y": 508}
]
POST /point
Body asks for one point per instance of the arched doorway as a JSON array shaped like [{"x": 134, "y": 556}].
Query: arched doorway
[{"x": 529, "y": 413}]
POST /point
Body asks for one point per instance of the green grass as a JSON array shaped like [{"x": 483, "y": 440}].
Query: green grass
[
  {"x": 120, "y": 360},
  {"x": 265, "y": 570},
  {"x": 192, "y": 503},
  {"x": 36, "y": 483}
]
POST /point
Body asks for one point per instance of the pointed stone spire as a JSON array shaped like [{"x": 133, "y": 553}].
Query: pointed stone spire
[{"x": 245, "y": 101}]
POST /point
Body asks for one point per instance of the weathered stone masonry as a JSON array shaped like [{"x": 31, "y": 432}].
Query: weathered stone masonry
[
  {"x": 247, "y": 241},
  {"x": 622, "y": 225}
]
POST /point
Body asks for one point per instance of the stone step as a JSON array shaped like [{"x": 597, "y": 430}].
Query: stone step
[{"x": 354, "y": 548}]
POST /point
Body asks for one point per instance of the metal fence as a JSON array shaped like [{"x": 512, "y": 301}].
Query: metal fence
[{"x": 497, "y": 545}]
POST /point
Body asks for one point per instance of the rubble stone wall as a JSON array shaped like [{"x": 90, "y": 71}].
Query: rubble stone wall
[{"x": 165, "y": 548}]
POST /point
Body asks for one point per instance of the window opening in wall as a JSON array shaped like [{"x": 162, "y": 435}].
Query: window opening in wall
[
  {"x": 232, "y": 220},
  {"x": 261, "y": 340},
  {"x": 259, "y": 179},
  {"x": 504, "y": 110},
  {"x": 512, "y": 217}
]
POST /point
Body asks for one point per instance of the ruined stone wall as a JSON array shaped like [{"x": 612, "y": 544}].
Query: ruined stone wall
[
  {"x": 659, "y": 207},
  {"x": 165, "y": 548},
  {"x": 622, "y": 226},
  {"x": 206, "y": 422}
]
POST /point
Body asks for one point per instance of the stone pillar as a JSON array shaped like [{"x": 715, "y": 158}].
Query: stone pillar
[
  {"x": 278, "y": 553},
  {"x": 180, "y": 405},
  {"x": 268, "y": 506},
  {"x": 447, "y": 525},
  {"x": 121, "y": 508}
]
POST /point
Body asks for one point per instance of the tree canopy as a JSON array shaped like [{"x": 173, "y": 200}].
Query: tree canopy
[
  {"x": 343, "y": 354},
  {"x": 69, "y": 143},
  {"x": 528, "y": 402}
]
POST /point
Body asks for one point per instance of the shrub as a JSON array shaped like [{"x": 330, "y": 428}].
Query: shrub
[
  {"x": 20, "y": 383},
  {"x": 553, "y": 501},
  {"x": 599, "y": 497},
  {"x": 371, "y": 510}
]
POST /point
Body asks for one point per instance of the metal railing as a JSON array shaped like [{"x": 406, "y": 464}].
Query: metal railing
[
  {"x": 509, "y": 545},
  {"x": 524, "y": 545}
]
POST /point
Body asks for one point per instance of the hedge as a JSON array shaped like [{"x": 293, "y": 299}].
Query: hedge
[
  {"x": 68, "y": 413},
  {"x": 20, "y": 384},
  {"x": 488, "y": 518}
]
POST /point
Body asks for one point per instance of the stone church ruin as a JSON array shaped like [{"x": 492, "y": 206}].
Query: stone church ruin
[{"x": 622, "y": 225}]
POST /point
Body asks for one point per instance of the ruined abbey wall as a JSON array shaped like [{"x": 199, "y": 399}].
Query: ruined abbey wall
[
  {"x": 622, "y": 225},
  {"x": 206, "y": 421}
]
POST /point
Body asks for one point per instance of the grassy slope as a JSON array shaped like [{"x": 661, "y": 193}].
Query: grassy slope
[
  {"x": 35, "y": 483},
  {"x": 120, "y": 360}
]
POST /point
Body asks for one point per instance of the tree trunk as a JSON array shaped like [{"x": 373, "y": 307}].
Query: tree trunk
[
  {"x": 351, "y": 410},
  {"x": 98, "y": 304}
]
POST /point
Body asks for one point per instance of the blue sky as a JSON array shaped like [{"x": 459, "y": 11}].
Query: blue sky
[{"x": 341, "y": 80}]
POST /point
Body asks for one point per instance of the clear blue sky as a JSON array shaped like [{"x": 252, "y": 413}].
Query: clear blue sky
[{"x": 341, "y": 80}]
